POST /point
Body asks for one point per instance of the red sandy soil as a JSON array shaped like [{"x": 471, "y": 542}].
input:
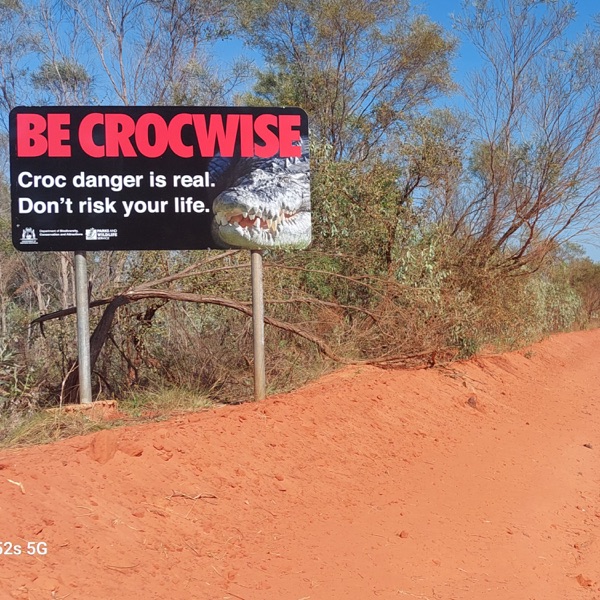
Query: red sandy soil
[{"x": 480, "y": 480}]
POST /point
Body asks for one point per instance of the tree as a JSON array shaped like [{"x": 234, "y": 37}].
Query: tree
[
  {"x": 113, "y": 51},
  {"x": 66, "y": 80},
  {"x": 585, "y": 278},
  {"x": 535, "y": 106},
  {"x": 16, "y": 42},
  {"x": 360, "y": 68},
  {"x": 143, "y": 49}
]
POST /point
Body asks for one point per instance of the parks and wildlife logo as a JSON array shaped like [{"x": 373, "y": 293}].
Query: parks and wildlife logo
[{"x": 100, "y": 234}]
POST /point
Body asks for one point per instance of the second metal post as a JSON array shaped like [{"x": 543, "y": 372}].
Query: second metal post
[{"x": 258, "y": 324}]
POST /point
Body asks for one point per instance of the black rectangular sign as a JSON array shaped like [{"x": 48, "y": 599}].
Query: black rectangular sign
[{"x": 159, "y": 178}]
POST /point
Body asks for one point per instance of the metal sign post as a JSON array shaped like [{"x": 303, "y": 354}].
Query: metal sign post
[
  {"x": 258, "y": 324},
  {"x": 83, "y": 328}
]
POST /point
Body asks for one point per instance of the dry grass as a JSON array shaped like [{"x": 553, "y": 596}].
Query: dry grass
[
  {"x": 49, "y": 426},
  {"x": 45, "y": 428},
  {"x": 163, "y": 403}
]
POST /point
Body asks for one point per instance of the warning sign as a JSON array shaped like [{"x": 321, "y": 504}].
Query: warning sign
[{"x": 159, "y": 178}]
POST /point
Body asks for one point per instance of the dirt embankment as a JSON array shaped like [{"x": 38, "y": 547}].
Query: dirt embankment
[{"x": 477, "y": 481}]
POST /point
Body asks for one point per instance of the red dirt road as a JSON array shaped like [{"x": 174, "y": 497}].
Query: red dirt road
[{"x": 476, "y": 482}]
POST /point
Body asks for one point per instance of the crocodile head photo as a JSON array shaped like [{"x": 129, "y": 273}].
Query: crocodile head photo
[{"x": 262, "y": 203}]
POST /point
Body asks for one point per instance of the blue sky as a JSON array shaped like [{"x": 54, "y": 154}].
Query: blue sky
[{"x": 441, "y": 12}]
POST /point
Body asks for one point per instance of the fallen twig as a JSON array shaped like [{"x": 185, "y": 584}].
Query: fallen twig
[
  {"x": 17, "y": 483},
  {"x": 236, "y": 596},
  {"x": 192, "y": 548},
  {"x": 117, "y": 568},
  {"x": 200, "y": 496}
]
